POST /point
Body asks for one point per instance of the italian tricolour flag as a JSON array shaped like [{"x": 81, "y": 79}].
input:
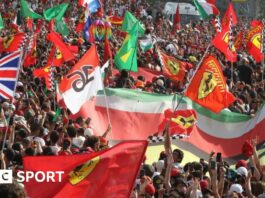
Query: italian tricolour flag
[
  {"x": 205, "y": 8},
  {"x": 135, "y": 115}
]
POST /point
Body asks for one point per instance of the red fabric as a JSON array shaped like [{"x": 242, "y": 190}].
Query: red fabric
[
  {"x": 211, "y": 1},
  {"x": 55, "y": 57},
  {"x": 172, "y": 68},
  {"x": 239, "y": 40},
  {"x": 253, "y": 45},
  {"x": 57, "y": 41},
  {"x": 115, "y": 20},
  {"x": 12, "y": 43},
  {"x": 107, "y": 50},
  {"x": 44, "y": 72},
  {"x": 229, "y": 12},
  {"x": 113, "y": 172},
  {"x": 90, "y": 58},
  {"x": 31, "y": 57},
  {"x": 180, "y": 122},
  {"x": 247, "y": 149},
  {"x": 176, "y": 25},
  {"x": 208, "y": 87},
  {"x": 255, "y": 23},
  {"x": 220, "y": 41}
]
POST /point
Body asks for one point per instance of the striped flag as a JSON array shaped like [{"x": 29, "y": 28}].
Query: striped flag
[
  {"x": 230, "y": 38},
  {"x": 217, "y": 24},
  {"x": 9, "y": 68}
]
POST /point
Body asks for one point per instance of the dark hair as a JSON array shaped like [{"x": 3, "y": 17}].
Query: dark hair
[
  {"x": 13, "y": 190},
  {"x": 30, "y": 151},
  {"x": 180, "y": 154},
  {"x": 10, "y": 154},
  {"x": 71, "y": 131},
  {"x": 80, "y": 131},
  {"x": 91, "y": 141},
  {"x": 54, "y": 137},
  {"x": 16, "y": 146},
  {"x": 48, "y": 151}
]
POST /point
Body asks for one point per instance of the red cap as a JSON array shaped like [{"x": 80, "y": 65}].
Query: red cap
[
  {"x": 103, "y": 141},
  {"x": 204, "y": 184},
  {"x": 241, "y": 163},
  {"x": 150, "y": 189},
  {"x": 174, "y": 172}
]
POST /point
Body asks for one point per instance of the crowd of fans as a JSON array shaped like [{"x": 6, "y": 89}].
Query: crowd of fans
[{"x": 36, "y": 128}]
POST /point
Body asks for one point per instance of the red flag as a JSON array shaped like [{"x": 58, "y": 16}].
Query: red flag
[
  {"x": 253, "y": 45},
  {"x": 108, "y": 173},
  {"x": 181, "y": 121},
  {"x": 229, "y": 12},
  {"x": 239, "y": 40},
  {"x": 31, "y": 57},
  {"x": 12, "y": 43},
  {"x": 107, "y": 50},
  {"x": 55, "y": 57},
  {"x": 81, "y": 23},
  {"x": 172, "y": 68},
  {"x": 29, "y": 23},
  {"x": 176, "y": 25},
  {"x": 208, "y": 87},
  {"x": 57, "y": 41},
  {"x": 255, "y": 23},
  {"x": 44, "y": 72},
  {"x": 221, "y": 41},
  {"x": 115, "y": 20}
]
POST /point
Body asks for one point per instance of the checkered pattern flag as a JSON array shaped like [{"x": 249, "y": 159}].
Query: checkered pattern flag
[
  {"x": 160, "y": 138},
  {"x": 230, "y": 38},
  {"x": 263, "y": 37},
  {"x": 52, "y": 79},
  {"x": 217, "y": 24}
]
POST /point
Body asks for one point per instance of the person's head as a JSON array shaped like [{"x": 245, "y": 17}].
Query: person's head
[
  {"x": 48, "y": 151},
  {"x": 13, "y": 190},
  {"x": 257, "y": 188},
  {"x": 178, "y": 155},
  {"x": 181, "y": 186},
  {"x": 92, "y": 142},
  {"x": 17, "y": 147},
  {"x": 9, "y": 155},
  {"x": 80, "y": 131},
  {"x": 71, "y": 131},
  {"x": 54, "y": 137},
  {"x": 29, "y": 152}
]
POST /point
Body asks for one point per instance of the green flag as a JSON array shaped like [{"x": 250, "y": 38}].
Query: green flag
[
  {"x": 1, "y": 23},
  {"x": 62, "y": 28},
  {"x": 126, "y": 58},
  {"x": 55, "y": 12},
  {"x": 131, "y": 25},
  {"x": 26, "y": 11}
]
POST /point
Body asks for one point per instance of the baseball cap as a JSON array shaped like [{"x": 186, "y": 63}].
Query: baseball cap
[
  {"x": 242, "y": 171},
  {"x": 240, "y": 163},
  {"x": 180, "y": 181},
  {"x": 204, "y": 184},
  {"x": 236, "y": 188}
]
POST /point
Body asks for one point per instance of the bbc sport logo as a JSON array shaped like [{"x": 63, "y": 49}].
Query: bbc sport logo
[{"x": 6, "y": 176}]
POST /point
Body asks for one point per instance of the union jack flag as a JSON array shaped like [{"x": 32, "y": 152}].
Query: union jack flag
[{"x": 9, "y": 68}]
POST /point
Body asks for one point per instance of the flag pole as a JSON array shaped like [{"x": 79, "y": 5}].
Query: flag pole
[
  {"x": 106, "y": 101},
  {"x": 262, "y": 47},
  {"x": 186, "y": 87},
  {"x": 12, "y": 101}
]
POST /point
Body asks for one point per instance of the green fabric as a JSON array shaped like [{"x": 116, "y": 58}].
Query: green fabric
[
  {"x": 55, "y": 12},
  {"x": 137, "y": 29},
  {"x": 26, "y": 11},
  {"x": 126, "y": 58},
  {"x": 1, "y": 22},
  {"x": 224, "y": 116},
  {"x": 131, "y": 25},
  {"x": 62, "y": 28},
  {"x": 200, "y": 9}
]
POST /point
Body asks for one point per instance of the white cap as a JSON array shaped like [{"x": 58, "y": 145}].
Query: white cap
[
  {"x": 160, "y": 82},
  {"x": 19, "y": 84},
  {"x": 242, "y": 171},
  {"x": 5, "y": 105},
  {"x": 88, "y": 132},
  {"x": 17, "y": 95},
  {"x": 236, "y": 188}
]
